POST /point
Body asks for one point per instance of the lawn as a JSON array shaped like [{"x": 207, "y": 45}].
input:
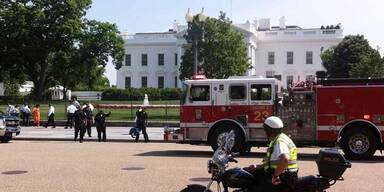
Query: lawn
[{"x": 156, "y": 114}]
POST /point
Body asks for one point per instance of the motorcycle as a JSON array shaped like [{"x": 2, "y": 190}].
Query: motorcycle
[{"x": 330, "y": 162}]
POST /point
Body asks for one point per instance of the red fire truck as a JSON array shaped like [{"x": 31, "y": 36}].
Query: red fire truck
[{"x": 348, "y": 112}]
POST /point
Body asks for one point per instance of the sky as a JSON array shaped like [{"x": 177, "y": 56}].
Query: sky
[{"x": 135, "y": 16}]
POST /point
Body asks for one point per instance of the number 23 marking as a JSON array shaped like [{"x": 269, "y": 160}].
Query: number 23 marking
[{"x": 260, "y": 115}]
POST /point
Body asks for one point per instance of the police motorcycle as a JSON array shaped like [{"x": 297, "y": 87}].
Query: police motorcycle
[{"x": 330, "y": 162}]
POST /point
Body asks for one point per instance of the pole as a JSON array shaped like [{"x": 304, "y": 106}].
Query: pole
[{"x": 195, "y": 56}]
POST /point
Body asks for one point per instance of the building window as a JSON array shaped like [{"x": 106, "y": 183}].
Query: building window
[
  {"x": 270, "y": 74},
  {"x": 144, "y": 59},
  {"x": 128, "y": 60},
  {"x": 176, "y": 59},
  {"x": 271, "y": 58},
  {"x": 160, "y": 82},
  {"x": 176, "y": 80},
  {"x": 144, "y": 82},
  {"x": 289, "y": 80},
  {"x": 261, "y": 92},
  {"x": 127, "y": 82},
  {"x": 289, "y": 57},
  {"x": 161, "y": 59},
  {"x": 237, "y": 92},
  {"x": 309, "y": 57}
]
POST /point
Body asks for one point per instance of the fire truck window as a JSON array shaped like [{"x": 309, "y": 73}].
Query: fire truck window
[
  {"x": 200, "y": 93},
  {"x": 262, "y": 92},
  {"x": 237, "y": 92}
]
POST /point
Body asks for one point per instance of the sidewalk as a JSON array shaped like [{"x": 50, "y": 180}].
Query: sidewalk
[
  {"x": 126, "y": 123},
  {"x": 114, "y": 134}
]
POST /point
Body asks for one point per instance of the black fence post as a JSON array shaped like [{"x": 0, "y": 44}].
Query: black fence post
[
  {"x": 166, "y": 113},
  {"x": 131, "y": 108}
]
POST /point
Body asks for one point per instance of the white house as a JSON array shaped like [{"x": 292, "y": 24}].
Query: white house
[
  {"x": 153, "y": 59},
  {"x": 26, "y": 88},
  {"x": 57, "y": 93}
]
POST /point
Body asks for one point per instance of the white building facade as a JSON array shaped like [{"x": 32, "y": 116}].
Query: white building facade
[{"x": 153, "y": 59}]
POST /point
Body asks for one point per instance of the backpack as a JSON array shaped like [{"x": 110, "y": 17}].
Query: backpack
[{"x": 134, "y": 132}]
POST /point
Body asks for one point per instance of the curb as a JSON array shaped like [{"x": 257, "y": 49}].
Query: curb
[
  {"x": 89, "y": 140},
  {"x": 126, "y": 123}
]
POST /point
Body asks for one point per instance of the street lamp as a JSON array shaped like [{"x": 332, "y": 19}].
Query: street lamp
[{"x": 195, "y": 35}]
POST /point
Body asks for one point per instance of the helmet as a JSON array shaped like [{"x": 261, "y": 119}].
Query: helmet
[{"x": 274, "y": 123}]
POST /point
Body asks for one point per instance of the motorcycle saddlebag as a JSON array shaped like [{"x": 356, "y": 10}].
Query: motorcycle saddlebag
[{"x": 331, "y": 163}]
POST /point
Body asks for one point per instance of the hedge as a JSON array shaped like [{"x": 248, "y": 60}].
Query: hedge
[{"x": 138, "y": 94}]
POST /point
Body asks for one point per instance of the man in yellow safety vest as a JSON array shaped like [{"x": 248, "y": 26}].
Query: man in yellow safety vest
[{"x": 279, "y": 169}]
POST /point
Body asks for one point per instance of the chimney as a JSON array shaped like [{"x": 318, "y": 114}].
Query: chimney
[
  {"x": 282, "y": 22},
  {"x": 265, "y": 24},
  {"x": 176, "y": 26}
]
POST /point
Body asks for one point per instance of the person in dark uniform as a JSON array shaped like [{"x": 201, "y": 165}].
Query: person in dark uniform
[
  {"x": 80, "y": 124},
  {"x": 101, "y": 125},
  {"x": 26, "y": 112},
  {"x": 141, "y": 123},
  {"x": 89, "y": 115}
]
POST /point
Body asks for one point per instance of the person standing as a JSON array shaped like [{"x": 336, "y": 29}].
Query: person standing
[
  {"x": 101, "y": 125},
  {"x": 11, "y": 110},
  {"x": 36, "y": 115},
  {"x": 88, "y": 112},
  {"x": 25, "y": 113},
  {"x": 141, "y": 123},
  {"x": 71, "y": 109},
  {"x": 51, "y": 116},
  {"x": 80, "y": 123},
  {"x": 75, "y": 102}
]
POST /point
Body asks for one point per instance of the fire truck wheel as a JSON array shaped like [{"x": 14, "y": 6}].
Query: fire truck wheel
[
  {"x": 358, "y": 143},
  {"x": 239, "y": 138}
]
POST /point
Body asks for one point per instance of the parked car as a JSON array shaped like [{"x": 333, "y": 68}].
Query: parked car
[{"x": 9, "y": 126}]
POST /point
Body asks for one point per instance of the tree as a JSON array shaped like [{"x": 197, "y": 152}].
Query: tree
[
  {"x": 98, "y": 43},
  {"x": 83, "y": 66},
  {"x": 223, "y": 52},
  {"x": 352, "y": 57},
  {"x": 370, "y": 65},
  {"x": 50, "y": 42}
]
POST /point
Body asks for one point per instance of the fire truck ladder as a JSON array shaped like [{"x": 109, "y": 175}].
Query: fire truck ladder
[{"x": 351, "y": 81}]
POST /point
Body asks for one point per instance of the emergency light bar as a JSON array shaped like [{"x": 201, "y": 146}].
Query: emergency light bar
[{"x": 198, "y": 77}]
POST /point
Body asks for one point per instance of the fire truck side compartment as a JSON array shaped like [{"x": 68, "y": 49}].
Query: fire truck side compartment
[{"x": 354, "y": 103}]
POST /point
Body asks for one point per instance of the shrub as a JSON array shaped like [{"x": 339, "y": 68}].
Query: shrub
[{"x": 138, "y": 94}]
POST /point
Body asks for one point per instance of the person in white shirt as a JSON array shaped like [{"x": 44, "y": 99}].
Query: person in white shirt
[
  {"x": 10, "y": 109},
  {"x": 26, "y": 112},
  {"x": 75, "y": 102},
  {"x": 51, "y": 116},
  {"x": 71, "y": 109}
]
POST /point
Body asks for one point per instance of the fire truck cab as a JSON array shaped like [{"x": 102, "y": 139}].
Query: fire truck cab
[
  {"x": 331, "y": 112},
  {"x": 211, "y": 107}
]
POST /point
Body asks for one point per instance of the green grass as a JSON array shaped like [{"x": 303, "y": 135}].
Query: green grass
[{"x": 116, "y": 114}]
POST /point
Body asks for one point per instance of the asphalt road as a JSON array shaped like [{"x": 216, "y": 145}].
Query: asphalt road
[{"x": 50, "y": 166}]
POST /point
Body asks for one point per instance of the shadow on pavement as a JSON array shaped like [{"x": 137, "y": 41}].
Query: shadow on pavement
[{"x": 177, "y": 153}]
